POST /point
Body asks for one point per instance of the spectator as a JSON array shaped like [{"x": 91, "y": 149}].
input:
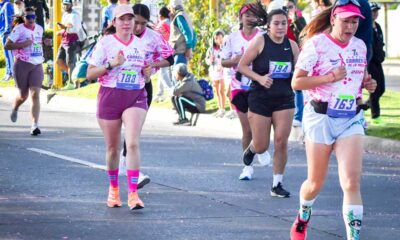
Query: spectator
[
  {"x": 40, "y": 6},
  {"x": 71, "y": 26},
  {"x": 19, "y": 7},
  {"x": 375, "y": 66},
  {"x": 6, "y": 13},
  {"x": 216, "y": 71},
  {"x": 296, "y": 23},
  {"x": 26, "y": 41},
  {"x": 164, "y": 78},
  {"x": 318, "y": 6},
  {"x": 183, "y": 37},
  {"x": 187, "y": 94},
  {"x": 107, "y": 14}
]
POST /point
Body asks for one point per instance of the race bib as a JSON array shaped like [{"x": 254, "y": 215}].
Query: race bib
[
  {"x": 245, "y": 83},
  {"x": 280, "y": 69},
  {"x": 37, "y": 50},
  {"x": 342, "y": 106},
  {"x": 128, "y": 80}
]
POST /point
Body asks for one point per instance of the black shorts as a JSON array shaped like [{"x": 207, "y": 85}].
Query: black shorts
[
  {"x": 239, "y": 100},
  {"x": 262, "y": 104},
  {"x": 68, "y": 53}
]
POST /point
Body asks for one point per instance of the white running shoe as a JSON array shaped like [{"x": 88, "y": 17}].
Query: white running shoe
[
  {"x": 143, "y": 180},
  {"x": 231, "y": 115},
  {"x": 220, "y": 113},
  {"x": 264, "y": 158},
  {"x": 247, "y": 173},
  {"x": 296, "y": 123}
]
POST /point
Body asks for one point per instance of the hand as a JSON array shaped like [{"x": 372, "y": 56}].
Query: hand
[
  {"x": 339, "y": 73},
  {"x": 147, "y": 72},
  {"x": 236, "y": 59},
  {"x": 369, "y": 83},
  {"x": 189, "y": 54},
  {"x": 118, "y": 60},
  {"x": 27, "y": 43},
  {"x": 266, "y": 80}
]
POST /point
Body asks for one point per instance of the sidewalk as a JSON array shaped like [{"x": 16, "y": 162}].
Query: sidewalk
[{"x": 222, "y": 127}]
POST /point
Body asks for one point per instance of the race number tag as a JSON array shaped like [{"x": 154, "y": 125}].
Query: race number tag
[
  {"x": 128, "y": 80},
  {"x": 37, "y": 50},
  {"x": 342, "y": 106},
  {"x": 280, "y": 69},
  {"x": 245, "y": 83}
]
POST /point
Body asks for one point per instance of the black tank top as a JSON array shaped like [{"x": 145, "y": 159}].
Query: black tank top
[{"x": 275, "y": 58}]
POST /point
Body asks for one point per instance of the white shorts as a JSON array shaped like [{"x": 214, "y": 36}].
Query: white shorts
[{"x": 320, "y": 128}]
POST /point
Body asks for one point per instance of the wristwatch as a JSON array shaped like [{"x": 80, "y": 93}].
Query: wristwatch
[{"x": 108, "y": 66}]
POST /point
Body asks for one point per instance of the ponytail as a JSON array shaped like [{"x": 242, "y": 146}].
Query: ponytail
[{"x": 319, "y": 24}]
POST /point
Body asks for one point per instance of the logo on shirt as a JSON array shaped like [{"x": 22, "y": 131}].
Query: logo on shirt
[
  {"x": 334, "y": 61},
  {"x": 286, "y": 49}
]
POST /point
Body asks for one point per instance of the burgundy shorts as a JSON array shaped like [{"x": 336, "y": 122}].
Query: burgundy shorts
[
  {"x": 27, "y": 75},
  {"x": 112, "y": 102}
]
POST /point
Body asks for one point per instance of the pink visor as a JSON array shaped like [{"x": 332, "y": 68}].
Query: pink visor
[{"x": 348, "y": 10}]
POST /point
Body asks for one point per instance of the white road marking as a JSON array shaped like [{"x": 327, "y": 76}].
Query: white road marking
[{"x": 66, "y": 158}]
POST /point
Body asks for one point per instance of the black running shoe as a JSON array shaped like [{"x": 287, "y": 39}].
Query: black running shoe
[
  {"x": 248, "y": 156},
  {"x": 182, "y": 122},
  {"x": 278, "y": 191},
  {"x": 35, "y": 132}
]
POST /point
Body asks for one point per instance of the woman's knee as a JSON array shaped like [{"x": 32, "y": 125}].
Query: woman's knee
[
  {"x": 112, "y": 151},
  {"x": 351, "y": 184},
  {"x": 314, "y": 186},
  {"x": 260, "y": 147},
  {"x": 132, "y": 146},
  {"x": 280, "y": 143}
]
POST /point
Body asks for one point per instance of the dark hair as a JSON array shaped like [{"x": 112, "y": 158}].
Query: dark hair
[
  {"x": 141, "y": 10},
  {"x": 258, "y": 10},
  {"x": 326, "y": 3},
  {"x": 275, "y": 12},
  {"x": 217, "y": 33},
  {"x": 110, "y": 30},
  {"x": 30, "y": 9},
  {"x": 114, "y": 1},
  {"x": 319, "y": 24},
  {"x": 164, "y": 12},
  {"x": 293, "y": 1}
]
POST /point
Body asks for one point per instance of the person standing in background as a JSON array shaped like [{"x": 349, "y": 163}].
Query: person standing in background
[
  {"x": 40, "y": 7},
  {"x": 6, "y": 13},
  {"x": 375, "y": 66},
  {"x": 107, "y": 13}
]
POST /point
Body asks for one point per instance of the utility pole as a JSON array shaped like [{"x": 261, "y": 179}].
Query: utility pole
[{"x": 57, "y": 79}]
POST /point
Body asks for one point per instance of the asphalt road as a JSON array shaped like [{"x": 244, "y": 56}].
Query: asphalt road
[{"x": 194, "y": 191}]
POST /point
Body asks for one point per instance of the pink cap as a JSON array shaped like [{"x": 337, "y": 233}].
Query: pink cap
[
  {"x": 348, "y": 10},
  {"x": 122, "y": 9}
]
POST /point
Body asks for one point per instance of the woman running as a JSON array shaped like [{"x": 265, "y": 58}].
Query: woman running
[
  {"x": 332, "y": 68},
  {"x": 119, "y": 61},
  {"x": 251, "y": 15},
  {"x": 26, "y": 42},
  {"x": 158, "y": 54},
  {"x": 271, "y": 97}
]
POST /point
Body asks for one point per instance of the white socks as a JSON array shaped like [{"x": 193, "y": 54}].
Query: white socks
[
  {"x": 277, "y": 178},
  {"x": 352, "y": 216},
  {"x": 305, "y": 209}
]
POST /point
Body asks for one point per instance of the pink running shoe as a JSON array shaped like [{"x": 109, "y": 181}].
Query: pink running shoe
[{"x": 299, "y": 229}]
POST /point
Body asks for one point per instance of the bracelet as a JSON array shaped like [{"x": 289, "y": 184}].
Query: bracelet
[{"x": 334, "y": 76}]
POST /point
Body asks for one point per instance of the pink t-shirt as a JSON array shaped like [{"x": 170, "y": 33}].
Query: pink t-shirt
[
  {"x": 33, "y": 53},
  {"x": 236, "y": 44},
  {"x": 321, "y": 54},
  {"x": 155, "y": 46},
  {"x": 127, "y": 76}
]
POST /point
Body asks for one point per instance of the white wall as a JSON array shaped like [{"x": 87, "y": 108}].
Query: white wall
[{"x": 392, "y": 43}]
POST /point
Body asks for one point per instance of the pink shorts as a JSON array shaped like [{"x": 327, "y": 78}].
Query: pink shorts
[
  {"x": 27, "y": 75},
  {"x": 112, "y": 102}
]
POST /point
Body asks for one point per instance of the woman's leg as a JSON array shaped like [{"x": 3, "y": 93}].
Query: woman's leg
[
  {"x": 246, "y": 130},
  {"x": 350, "y": 169}
]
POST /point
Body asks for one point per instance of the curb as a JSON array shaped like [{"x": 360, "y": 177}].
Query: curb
[{"x": 226, "y": 127}]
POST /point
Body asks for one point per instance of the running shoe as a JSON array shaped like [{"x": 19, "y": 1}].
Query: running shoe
[
  {"x": 247, "y": 173},
  {"x": 35, "y": 131},
  {"x": 248, "y": 156},
  {"x": 113, "y": 199},
  {"x": 14, "y": 115},
  {"x": 279, "y": 191},
  {"x": 299, "y": 229},
  {"x": 377, "y": 121},
  {"x": 220, "y": 113},
  {"x": 143, "y": 180},
  {"x": 182, "y": 122},
  {"x": 296, "y": 123},
  {"x": 69, "y": 86},
  {"x": 7, "y": 78},
  {"x": 134, "y": 201},
  {"x": 231, "y": 115},
  {"x": 264, "y": 158}
]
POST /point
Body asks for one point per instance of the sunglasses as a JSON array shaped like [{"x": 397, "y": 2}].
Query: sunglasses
[
  {"x": 30, "y": 17},
  {"x": 345, "y": 2}
]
